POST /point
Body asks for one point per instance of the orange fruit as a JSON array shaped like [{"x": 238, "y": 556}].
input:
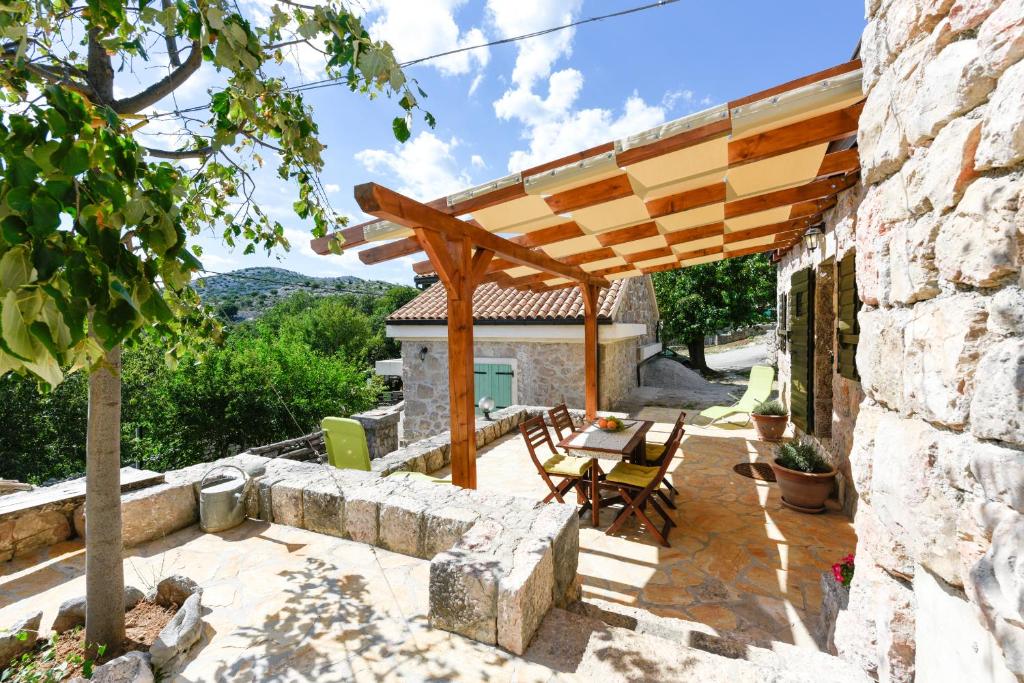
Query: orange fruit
[{"x": 602, "y": 423}]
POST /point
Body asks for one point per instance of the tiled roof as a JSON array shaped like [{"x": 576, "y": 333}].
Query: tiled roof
[{"x": 493, "y": 303}]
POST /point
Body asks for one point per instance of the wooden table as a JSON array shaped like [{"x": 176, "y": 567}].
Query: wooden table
[{"x": 629, "y": 443}]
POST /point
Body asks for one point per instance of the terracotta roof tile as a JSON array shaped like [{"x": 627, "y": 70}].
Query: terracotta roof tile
[{"x": 494, "y": 303}]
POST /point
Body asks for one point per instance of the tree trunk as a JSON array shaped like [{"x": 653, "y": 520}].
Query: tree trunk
[
  {"x": 104, "y": 569},
  {"x": 695, "y": 347}
]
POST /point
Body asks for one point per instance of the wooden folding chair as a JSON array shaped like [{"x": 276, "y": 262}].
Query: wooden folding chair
[
  {"x": 635, "y": 484},
  {"x": 561, "y": 420},
  {"x": 656, "y": 452},
  {"x": 572, "y": 471}
]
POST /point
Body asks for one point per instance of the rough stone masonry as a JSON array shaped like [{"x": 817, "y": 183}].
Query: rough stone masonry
[{"x": 937, "y": 455}]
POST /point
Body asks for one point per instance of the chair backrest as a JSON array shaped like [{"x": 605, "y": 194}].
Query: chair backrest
[
  {"x": 535, "y": 433},
  {"x": 670, "y": 447},
  {"x": 759, "y": 387},
  {"x": 561, "y": 420},
  {"x": 346, "y": 444},
  {"x": 677, "y": 429}
]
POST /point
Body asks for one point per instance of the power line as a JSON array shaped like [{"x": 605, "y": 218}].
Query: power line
[{"x": 328, "y": 82}]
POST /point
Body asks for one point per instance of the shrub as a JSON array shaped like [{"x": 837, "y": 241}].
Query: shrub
[
  {"x": 801, "y": 457},
  {"x": 773, "y": 407}
]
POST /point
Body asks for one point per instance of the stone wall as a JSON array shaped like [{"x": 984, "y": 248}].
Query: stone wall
[
  {"x": 637, "y": 304},
  {"x": 837, "y": 399},
  {"x": 381, "y": 428},
  {"x": 938, "y": 451},
  {"x": 547, "y": 373}
]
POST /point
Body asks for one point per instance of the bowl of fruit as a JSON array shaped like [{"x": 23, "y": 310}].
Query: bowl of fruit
[{"x": 610, "y": 424}]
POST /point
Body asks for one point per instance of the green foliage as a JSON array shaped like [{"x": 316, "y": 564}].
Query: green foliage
[
  {"x": 773, "y": 407},
  {"x": 41, "y": 665},
  {"x": 273, "y": 378},
  {"x": 702, "y": 299},
  {"x": 801, "y": 457},
  {"x": 95, "y": 226}
]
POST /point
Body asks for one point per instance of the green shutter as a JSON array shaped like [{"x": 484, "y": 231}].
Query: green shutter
[
  {"x": 801, "y": 349},
  {"x": 494, "y": 380},
  {"x": 847, "y": 327}
]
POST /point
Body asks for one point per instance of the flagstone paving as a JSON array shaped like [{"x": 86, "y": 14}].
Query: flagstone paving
[
  {"x": 739, "y": 562},
  {"x": 283, "y": 604}
]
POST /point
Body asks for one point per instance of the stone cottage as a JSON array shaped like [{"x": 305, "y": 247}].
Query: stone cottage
[
  {"x": 528, "y": 348},
  {"x": 902, "y": 350}
]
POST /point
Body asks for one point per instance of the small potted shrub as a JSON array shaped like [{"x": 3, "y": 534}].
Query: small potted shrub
[
  {"x": 770, "y": 420},
  {"x": 804, "y": 477}
]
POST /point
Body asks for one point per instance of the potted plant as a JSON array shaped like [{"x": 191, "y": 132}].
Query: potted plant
[
  {"x": 770, "y": 420},
  {"x": 804, "y": 477}
]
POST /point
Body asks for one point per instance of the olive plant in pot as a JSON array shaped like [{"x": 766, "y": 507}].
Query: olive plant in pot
[
  {"x": 770, "y": 420},
  {"x": 804, "y": 477}
]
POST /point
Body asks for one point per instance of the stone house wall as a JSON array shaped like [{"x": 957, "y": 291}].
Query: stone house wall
[
  {"x": 637, "y": 304},
  {"x": 938, "y": 449},
  {"x": 547, "y": 373},
  {"x": 837, "y": 399}
]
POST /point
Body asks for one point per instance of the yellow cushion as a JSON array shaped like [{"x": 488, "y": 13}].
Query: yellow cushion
[
  {"x": 654, "y": 451},
  {"x": 634, "y": 475},
  {"x": 567, "y": 466}
]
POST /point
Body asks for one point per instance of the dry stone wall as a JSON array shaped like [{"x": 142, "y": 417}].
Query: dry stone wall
[{"x": 938, "y": 451}]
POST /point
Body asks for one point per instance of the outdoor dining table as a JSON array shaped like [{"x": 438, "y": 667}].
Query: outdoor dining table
[{"x": 629, "y": 443}]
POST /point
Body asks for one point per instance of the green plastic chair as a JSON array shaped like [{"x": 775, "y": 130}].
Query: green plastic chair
[
  {"x": 346, "y": 444},
  {"x": 759, "y": 388}
]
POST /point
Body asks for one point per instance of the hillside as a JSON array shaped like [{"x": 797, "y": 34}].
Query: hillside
[{"x": 253, "y": 290}]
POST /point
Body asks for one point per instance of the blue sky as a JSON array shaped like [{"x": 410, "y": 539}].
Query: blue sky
[{"x": 511, "y": 106}]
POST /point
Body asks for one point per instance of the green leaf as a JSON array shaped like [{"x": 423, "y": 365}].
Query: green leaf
[
  {"x": 19, "y": 199},
  {"x": 45, "y": 215},
  {"x": 15, "y": 268},
  {"x": 400, "y": 127},
  {"x": 15, "y": 332}
]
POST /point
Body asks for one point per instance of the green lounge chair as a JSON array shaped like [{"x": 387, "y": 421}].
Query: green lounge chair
[
  {"x": 347, "y": 450},
  {"x": 346, "y": 444},
  {"x": 759, "y": 388}
]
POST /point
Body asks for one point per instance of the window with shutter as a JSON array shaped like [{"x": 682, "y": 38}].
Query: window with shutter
[
  {"x": 847, "y": 327},
  {"x": 801, "y": 349}
]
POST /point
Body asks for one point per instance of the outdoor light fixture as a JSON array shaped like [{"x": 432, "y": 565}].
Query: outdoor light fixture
[
  {"x": 811, "y": 237},
  {"x": 423, "y": 353},
  {"x": 486, "y": 405}
]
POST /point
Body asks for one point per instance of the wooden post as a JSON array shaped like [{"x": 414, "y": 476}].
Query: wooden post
[
  {"x": 460, "y": 269},
  {"x": 590, "y": 298}
]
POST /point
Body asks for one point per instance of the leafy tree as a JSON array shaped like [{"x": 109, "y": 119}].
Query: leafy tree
[
  {"x": 94, "y": 223},
  {"x": 703, "y": 299}
]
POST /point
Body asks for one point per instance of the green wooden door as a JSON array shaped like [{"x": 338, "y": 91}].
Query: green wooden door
[
  {"x": 801, "y": 349},
  {"x": 494, "y": 380}
]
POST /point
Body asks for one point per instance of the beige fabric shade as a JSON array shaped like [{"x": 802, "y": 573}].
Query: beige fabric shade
[{"x": 745, "y": 177}]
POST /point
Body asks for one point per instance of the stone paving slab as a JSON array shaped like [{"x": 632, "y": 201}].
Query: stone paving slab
[{"x": 740, "y": 562}]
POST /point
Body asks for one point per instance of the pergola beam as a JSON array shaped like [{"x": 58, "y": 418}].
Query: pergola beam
[{"x": 381, "y": 202}]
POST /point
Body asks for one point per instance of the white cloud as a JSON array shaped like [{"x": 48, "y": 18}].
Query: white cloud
[
  {"x": 536, "y": 55},
  {"x": 332, "y": 188},
  {"x": 477, "y": 161},
  {"x": 425, "y": 166},
  {"x": 418, "y": 28},
  {"x": 553, "y": 128}
]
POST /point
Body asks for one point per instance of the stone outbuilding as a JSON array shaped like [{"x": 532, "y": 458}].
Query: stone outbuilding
[{"x": 528, "y": 348}]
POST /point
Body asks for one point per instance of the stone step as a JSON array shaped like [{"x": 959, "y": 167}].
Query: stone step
[{"x": 693, "y": 641}]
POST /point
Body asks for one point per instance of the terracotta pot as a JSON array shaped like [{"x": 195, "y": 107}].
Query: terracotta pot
[
  {"x": 770, "y": 427},
  {"x": 803, "y": 491}
]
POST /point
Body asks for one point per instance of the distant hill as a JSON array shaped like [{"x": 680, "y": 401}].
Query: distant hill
[{"x": 253, "y": 290}]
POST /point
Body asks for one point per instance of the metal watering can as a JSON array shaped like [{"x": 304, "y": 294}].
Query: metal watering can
[{"x": 222, "y": 502}]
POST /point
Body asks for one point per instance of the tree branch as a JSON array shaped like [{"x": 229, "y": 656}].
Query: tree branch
[
  {"x": 172, "y": 45},
  {"x": 165, "y": 86},
  {"x": 200, "y": 153}
]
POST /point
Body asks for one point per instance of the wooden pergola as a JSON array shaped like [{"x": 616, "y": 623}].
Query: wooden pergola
[{"x": 747, "y": 177}]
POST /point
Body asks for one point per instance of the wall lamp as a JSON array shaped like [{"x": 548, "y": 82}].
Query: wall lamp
[
  {"x": 811, "y": 237},
  {"x": 423, "y": 353}
]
